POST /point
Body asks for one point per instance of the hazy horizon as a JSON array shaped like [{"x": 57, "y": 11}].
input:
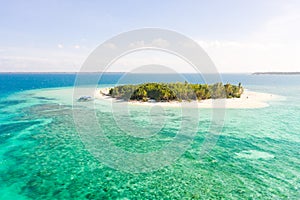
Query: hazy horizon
[{"x": 75, "y": 72}]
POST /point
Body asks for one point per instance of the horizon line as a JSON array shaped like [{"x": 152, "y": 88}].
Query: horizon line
[
  {"x": 34, "y": 72},
  {"x": 94, "y": 72}
]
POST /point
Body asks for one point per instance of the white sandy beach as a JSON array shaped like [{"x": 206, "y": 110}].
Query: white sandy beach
[{"x": 249, "y": 99}]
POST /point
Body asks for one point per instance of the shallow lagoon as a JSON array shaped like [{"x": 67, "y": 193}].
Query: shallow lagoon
[{"x": 256, "y": 155}]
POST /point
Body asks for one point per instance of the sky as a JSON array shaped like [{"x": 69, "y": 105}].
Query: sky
[{"x": 239, "y": 36}]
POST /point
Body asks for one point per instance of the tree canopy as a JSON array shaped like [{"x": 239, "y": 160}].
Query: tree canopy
[{"x": 175, "y": 91}]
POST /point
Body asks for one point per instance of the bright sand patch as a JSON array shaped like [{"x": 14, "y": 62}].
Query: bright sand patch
[
  {"x": 249, "y": 99},
  {"x": 253, "y": 154}
]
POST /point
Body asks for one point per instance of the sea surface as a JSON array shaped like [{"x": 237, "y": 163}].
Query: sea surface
[{"x": 42, "y": 156}]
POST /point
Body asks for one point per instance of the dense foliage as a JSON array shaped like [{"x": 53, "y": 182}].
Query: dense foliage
[{"x": 175, "y": 91}]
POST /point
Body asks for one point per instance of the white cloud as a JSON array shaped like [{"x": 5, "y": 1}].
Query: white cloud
[
  {"x": 138, "y": 59},
  {"x": 137, "y": 44},
  {"x": 110, "y": 46},
  {"x": 244, "y": 56},
  {"x": 33, "y": 59},
  {"x": 275, "y": 47},
  {"x": 160, "y": 43}
]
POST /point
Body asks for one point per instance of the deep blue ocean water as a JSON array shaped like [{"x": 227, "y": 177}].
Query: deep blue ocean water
[
  {"x": 15, "y": 82},
  {"x": 257, "y": 155}
]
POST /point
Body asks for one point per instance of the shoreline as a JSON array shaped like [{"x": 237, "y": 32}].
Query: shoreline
[{"x": 249, "y": 99}]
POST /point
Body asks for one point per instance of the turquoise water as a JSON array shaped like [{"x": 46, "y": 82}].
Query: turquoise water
[{"x": 42, "y": 156}]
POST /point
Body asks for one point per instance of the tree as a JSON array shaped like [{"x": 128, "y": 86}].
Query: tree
[{"x": 175, "y": 91}]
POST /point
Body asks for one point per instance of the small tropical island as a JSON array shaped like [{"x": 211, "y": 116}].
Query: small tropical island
[
  {"x": 179, "y": 94},
  {"x": 166, "y": 92}
]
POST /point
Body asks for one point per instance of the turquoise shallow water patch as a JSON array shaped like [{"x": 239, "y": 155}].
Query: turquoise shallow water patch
[{"x": 42, "y": 157}]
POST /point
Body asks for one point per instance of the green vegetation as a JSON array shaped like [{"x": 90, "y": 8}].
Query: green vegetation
[{"x": 175, "y": 91}]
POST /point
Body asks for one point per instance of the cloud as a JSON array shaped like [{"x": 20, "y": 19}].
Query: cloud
[
  {"x": 274, "y": 47},
  {"x": 60, "y": 46},
  {"x": 246, "y": 56},
  {"x": 137, "y": 44},
  {"x": 110, "y": 46},
  {"x": 34, "y": 59},
  {"x": 160, "y": 43},
  {"x": 150, "y": 57}
]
